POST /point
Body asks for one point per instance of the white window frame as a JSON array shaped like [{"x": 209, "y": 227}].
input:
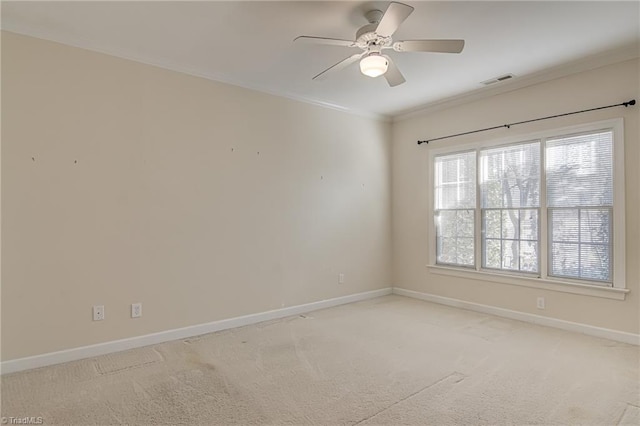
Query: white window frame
[
  {"x": 541, "y": 280},
  {"x": 475, "y": 243}
]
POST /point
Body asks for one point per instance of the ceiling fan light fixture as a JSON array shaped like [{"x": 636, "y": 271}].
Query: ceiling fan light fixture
[
  {"x": 376, "y": 36},
  {"x": 374, "y": 65}
]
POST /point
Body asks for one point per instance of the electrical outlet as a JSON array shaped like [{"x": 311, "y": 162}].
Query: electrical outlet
[
  {"x": 98, "y": 312},
  {"x": 340, "y": 278},
  {"x": 136, "y": 310},
  {"x": 540, "y": 303}
]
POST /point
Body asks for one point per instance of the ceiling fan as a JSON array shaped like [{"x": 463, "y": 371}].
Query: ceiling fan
[{"x": 375, "y": 37}]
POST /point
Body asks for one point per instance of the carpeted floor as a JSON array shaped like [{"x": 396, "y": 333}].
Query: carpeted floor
[{"x": 390, "y": 361}]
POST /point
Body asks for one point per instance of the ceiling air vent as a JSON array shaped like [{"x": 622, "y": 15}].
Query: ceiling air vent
[{"x": 498, "y": 79}]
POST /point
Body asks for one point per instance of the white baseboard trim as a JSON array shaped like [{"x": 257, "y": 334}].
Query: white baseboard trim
[
  {"x": 605, "y": 333},
  {"x": 20, "y": 364}
]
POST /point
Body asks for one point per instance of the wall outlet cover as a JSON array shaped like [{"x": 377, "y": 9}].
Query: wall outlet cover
[
  {"x": 136, "y": 310},
  {"x": 98, "y": 312}
]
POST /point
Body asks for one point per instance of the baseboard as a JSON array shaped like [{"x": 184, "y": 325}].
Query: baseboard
[
  {"x": 605, "y": 333},
  {"x": 20, "y": 364}
]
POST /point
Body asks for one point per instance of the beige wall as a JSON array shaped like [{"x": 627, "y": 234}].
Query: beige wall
[
  {"x": 603, "y": 86},
  {"x": 123, "y": 183}
]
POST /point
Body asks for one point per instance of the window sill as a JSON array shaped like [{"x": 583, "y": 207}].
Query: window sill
[{"x": 546, "y": 284}]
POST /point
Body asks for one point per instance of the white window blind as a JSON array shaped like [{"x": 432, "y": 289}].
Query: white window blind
[
  {"x": 510, "y": 206},
  {"x": 455, "y": 202},
  {"x": 579, "y": 176}
]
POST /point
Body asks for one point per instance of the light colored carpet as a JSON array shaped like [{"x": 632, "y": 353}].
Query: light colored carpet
[{"x": 390, "y": 360}]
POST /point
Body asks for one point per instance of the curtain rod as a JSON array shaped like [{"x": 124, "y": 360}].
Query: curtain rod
[{"x": 625, "y": 104}]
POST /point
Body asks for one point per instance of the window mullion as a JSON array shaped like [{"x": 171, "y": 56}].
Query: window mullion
[
  {"x": 544, "y": 241},
  {"x": 579, "y": 242},
  {"x": 478, "y": 237}
]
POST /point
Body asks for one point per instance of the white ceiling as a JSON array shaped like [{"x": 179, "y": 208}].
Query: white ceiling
[{"x": 250, "y": 43}]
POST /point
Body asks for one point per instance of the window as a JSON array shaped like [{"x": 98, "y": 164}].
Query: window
[
  {"x": 549, "y": 207},
  {"x": 455, "y": 204},
  {"x": 510, "y": 194},
  {"x": 579, "y": 173}
]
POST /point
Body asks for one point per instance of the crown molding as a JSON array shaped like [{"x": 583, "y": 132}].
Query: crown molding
[
  {"x": 603, "y": 59},
  {"x": 91, "y": 46}
]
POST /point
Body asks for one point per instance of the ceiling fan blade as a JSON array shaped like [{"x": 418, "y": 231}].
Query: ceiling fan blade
[
  {"x": 339, "y": 66},
  {"x": 393, "y": 75},
  {"x": 323, "y": 40},
  {"x": 441, "y": 46},
  {"x": 395, "y": 15}
]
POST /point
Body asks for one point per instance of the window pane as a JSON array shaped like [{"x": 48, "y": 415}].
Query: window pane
[
  {"x": 529, "y": 225},
  {"x": 510, "y": 254},
  {"x": 492, "y": 224},
  {"x": 510, "y": 176},
  {"x": 446, "y": 223},
  {"x": 565, "y": 260},
  {"x": 595, "y": 226},
  {"x": 581, "y": 243},
  {"x": 455, "y": 251},
  {"x": 455, "y": 181},
  {"x": 510, "y": 224},
  {"x": 447, "y": 250},
  {"x": 564, "y": 225},
  {"x": 594, "y": 262},
  {"x": 510, "y": 239},
  {"x": 492, "y": 254},
  {"x": 455, "y": 223},
  {"x": 466, "y": 252},
  {"x": 529, "y": 256},
  {"x": 455, "y": 237},
  {"x": 580, "y": 170}
]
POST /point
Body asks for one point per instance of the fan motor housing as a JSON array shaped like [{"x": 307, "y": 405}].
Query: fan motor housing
[
  {"x": 366, "y": 33},
  {"x": 366, "y": 36},
  {"x": 374, "y": 16}
]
